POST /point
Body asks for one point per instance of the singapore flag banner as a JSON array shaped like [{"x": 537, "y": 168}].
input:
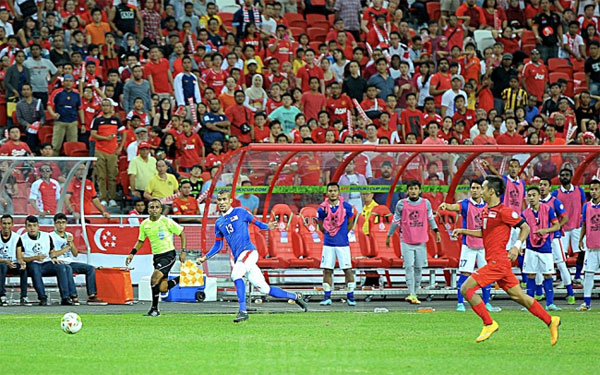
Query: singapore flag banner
[{"x": 114, "y": 240}]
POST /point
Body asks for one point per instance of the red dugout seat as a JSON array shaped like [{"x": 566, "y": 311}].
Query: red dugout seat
[
  {"x": 285, "y": 242},
  {"x": 450, "y": 247},
  {"x": 360, "y": 249},
  {"x": 312, "y": 237},
  {"x": 379, "y": 224}
]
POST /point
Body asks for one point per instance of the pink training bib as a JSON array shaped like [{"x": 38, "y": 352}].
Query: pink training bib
[
  {"x": 415, "y": 228},
  {"x": 541, "y": 222},
  {"x": 572, "y": 203},
  {"x": 474, "y": 223},
  {"x": 592, "y": 226},
  {"x": 513, "y": 195}
]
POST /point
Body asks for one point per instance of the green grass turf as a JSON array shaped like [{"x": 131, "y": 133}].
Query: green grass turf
[{"x": 297, "y": 343}]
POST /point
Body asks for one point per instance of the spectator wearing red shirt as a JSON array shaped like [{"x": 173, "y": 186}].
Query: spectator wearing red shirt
[
  {"x": 338, "y": 104},
  {"x": 44, "y": 194},
  {"x": 241, "y": 119},
  {"x": 475, "y": 14},
  {"x": 104, "y": 131},
  {"x": 279, "y": 46},
  {"x": 309, "y": 70},
  {"x": 214, "y": 77},
  {"x": 371, "y": 13},
  {"x": 535, "y": 75},
  {"x": 384, "y": 128},
  {"x": 261, "y": 131},
  {"x": 483, "y": 138},
  {"x": 463, "y": 113},
  {"x": 189, "y": 147},
  {"x": 90, "y": 108},
  {"x": 14, "y": 146},
  {"x": 313, "y": 102},
  {"x": 186, "y": 204},
  {"x": 158, "y": 74},
  {"x": 90, "y": 197},
  {"x": 511, "y": 137},
  {"x": 411, "y": 118},
  {"x": 440, "y": 82}
]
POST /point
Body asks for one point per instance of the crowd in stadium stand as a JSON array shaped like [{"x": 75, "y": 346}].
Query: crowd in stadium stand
[{"x": 161, "y": 92}]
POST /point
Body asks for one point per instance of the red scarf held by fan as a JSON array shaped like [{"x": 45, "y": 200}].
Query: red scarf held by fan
[{"x": 334, "y": 220}]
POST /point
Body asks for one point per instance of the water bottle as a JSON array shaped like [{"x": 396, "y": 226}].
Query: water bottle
[{"x": 379, "y": 310}]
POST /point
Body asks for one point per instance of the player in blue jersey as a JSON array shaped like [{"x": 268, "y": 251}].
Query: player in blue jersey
[
  {"x": 232, "y": 227},
  {"x": 472, "y": 250},
  {"x": 557, "y": 249},
  {"x": 543, "y": 222},
  {"x": 334, "y": 220}
]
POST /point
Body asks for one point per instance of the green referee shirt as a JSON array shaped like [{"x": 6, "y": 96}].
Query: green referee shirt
[{"x": 160, "y": 234}]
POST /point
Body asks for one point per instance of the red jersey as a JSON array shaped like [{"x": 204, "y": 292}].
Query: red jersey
[
  {"x": 496, "y": 224},
  {"x": 272, "y": 105},
  {"x": 535, "y": 79},
  {"x": 309, "y": 169},
  {"x": 363, "y": 165},
  {"x": 90, "y": 111},
  {"x": 186, "y": 207},
  {"x": 190, "y": 150},
  {"x": 469, "y": 118},
  {"x": 306, "y": 72},
  {"x": 283, "y": 52},
  {"x": 371, "y": 13},
  {"x": 339, "y": 107},
  {"x": 212, "y": 159},
  {"x": 159, "y": 71},
  {"x": 88, "y": 195},
  {"x": 318, "y": 134},
  {"x": 387, "y": 133},
  {"x": 214, "y": 80},
  {"x": 10, "y": 148},
  {"x": 271, "y": 78},
  {"x": 441, "y": 82},
  {"x": 412, "y": 121},
  {"x": 261, "y": 135}
]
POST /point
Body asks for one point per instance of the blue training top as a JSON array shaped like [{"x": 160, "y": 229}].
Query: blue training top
[
  {"x": 233, "y": 227},
  {"x": 341, "y": 237}
]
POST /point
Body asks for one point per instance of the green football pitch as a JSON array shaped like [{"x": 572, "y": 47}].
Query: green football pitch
[{"x": 297, "y": 343}]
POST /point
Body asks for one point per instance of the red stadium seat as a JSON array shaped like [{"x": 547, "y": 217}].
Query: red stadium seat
[
  {"x": 578, "y": 66},
  {"x": 321, "y": 25},
  {"x": 450, "y": 247},
  {"x": 379, "y": 224},
  {"x": 528, "y": 37},
  {"x": 227, "y": 18},
  {"x": 123, "y": 178},
  {"x": 555, "y": 76},
  {"x": 312, "y": 237},
  {"x": 299, "y": 23},
  {"x": 527, "y": 48},
  {"x": 296, "y": 31},
  {"x": 433, "y": 10},
  {"x": 285, "y": 242},
  {"x": 45, "y": 134},
  {"x": 289, "y": 17},
  {"x": 315, "y": 45},
  {"x": 559, "y": 65},
  {"x": 434, "y": 259},
  {"x": 317, "y": 34},
  {"x": 312, "y": 18},
  {"x": 331, "y": 19},
  {"x": 360, "y": 249},
  {"x": 75, "y": 149},
  {"x": 579, "y": 78}
]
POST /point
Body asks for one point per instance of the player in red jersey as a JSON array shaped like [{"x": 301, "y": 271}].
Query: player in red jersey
[{"x": 497, "y": 221}]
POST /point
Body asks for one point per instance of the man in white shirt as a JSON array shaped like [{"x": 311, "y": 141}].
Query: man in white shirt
[
  {"x": 573, "y": 44},
  {"x": 38, "y": 253},
  {"x": 457, "y": 83},
  {"x": 141, "y": 135}
]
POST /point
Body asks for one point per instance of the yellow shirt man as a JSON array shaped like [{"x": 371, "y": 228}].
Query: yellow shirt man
[
  {"x": 366, "y": 213},
  {"x": 161, "y": 188}
]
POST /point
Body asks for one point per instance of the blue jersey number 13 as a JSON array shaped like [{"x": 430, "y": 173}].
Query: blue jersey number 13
[{"x": 229, "y": 228}]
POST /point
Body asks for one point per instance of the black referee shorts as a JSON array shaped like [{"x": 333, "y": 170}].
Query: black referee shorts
[{"x": 164, "y": 262}]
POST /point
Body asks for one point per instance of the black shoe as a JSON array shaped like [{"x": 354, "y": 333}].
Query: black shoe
[
  {"x": 301, "y": 303},
  {"x": 66, "y": 302},
  {"x": 241, "y": 316},
  {"x": 44, "y": 302},
  {"x": 3, "y": 301},
  {"x": 153, "y": 312}
]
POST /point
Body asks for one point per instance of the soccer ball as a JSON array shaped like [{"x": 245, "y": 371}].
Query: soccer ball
[{"x": 70, "y": 323}]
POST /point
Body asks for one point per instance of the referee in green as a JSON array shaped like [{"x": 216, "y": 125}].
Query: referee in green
[{"x": 159, "y": 230}]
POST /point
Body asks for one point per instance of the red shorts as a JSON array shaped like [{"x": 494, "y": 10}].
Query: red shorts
[{"x": 496, "y": 272}]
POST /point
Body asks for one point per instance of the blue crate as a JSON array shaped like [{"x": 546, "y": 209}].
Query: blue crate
[{"x": 182, "y": 294}]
